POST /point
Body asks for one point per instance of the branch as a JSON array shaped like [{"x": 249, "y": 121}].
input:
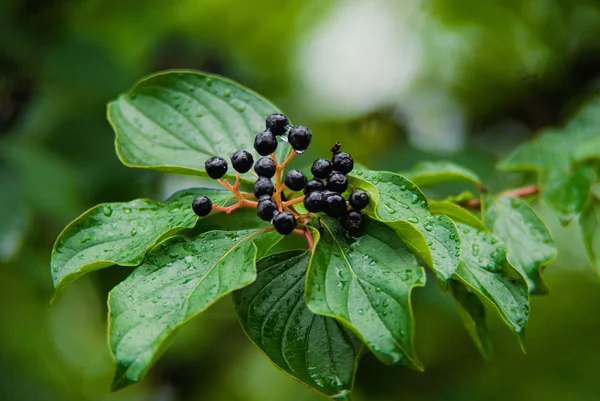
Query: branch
[{"x": 513, "y": 193}]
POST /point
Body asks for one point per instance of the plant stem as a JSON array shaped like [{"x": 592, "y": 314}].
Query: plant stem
[
  {"x": 514, "y": 193},
  {"x": 293, "y": 201}
]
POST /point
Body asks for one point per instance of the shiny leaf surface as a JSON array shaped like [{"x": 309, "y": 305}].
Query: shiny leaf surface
[
  {"x": 485, "y": 269},
  {"x": 121, "y": 233},
  {"x": 174, "y": 121},
  {"x": 178, "y": 280},
  {"x": 530, "y": 245},
  {"x": 400, "y": 204},
  {"x": 366, "y": 283},
  {"x": 316, "y": 350}
]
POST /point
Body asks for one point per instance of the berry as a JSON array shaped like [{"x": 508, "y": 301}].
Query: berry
[
  {"x": 315, "y": 202},
  {"x": 299, "y": 137},
  {"x": 321, "y": 168},
  {"x": 267, "y": 207},
  {"x": 277, "y": 123},
  {"x": 295, "y": 180},
  {"x": 284, "y": 223},
  {"x": 358, "y": 199},
  {"x": 265, "y": 143},
  {"x": 215, "y": 167},
  {"x": 342, "y": 162},
  {"x": 353, "y": 222},
  {"x": 242, "y": 161},
  {"x": 314, "y": 185},
  {"x": 263, "y": 186},
  {"x": 335, "y": 205},
  {"x": 201, "y": 205},
  {"x": 265, "y": 167},
  {"x": 337, "y": 182}
]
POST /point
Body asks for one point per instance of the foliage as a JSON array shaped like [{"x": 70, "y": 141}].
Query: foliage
[{"x": 311, "y": 311}]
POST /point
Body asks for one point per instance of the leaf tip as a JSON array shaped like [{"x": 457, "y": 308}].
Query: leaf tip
[{"x": 120, "y": 381}]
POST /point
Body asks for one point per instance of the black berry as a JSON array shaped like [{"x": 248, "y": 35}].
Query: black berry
[
  {"x": 265, "y": 167},
  {"x": 267, "y": 207},
  {"x": 321, "y": 168},
  {"x": 335, "y": 205},
  {"x": 277, "y": 123},
  {"x": 215, "y": 167},
  {"x": 315, "y": 202},
  {"x": 299, "y": 137},
  {"x": 342, "y": 162},
  {"x": 358, "y": 199},
  {"x": 284, "y": 223},
  {"x": 242, "y": 161},
  {"x": 295, "y": 180},
  {"x": 337, "y": 182},
  {"x": 263, "y": 186},
  {"x": 201, "y": 205},
  {"x": 314, "y": 185},
  {"x": 353, "y": 222},
  {"x": 265, "y": 143}
]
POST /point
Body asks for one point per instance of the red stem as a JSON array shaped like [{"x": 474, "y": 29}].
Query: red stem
[{"x": 513, "y": 193}]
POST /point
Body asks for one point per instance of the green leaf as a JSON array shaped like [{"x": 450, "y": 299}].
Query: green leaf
[
  {"x": 174, "y": 121},
  {"x": 178, "y": 280},
  {"x": 314, "y": 349},
  {"x": 434, "y": 172},
  {"x": 366, "y": 284},
  {"x": 472, "y": 311},
  {"x": 401, "y": 205},
  {"x": 121, "y": 233},
  {"x": 485, "y": 269},
  {"x": 589, "y": 222},
  {"x": 564, "y": 185},
  {"x": 456, "y": 213},
  {"x": 530, "y": 245}
]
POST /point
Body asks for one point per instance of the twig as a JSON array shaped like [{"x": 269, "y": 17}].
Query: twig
[{"x": 513, "y": 193}]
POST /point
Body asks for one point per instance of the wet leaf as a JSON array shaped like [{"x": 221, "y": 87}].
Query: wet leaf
[
  {"x": 174, "y": 121},
  {"x": 455, "y": 212},
  {"x": 178, "y": 280},
  {"x": 316, "y": 350},
  {"x": 401, "y": 205},
  {"x": 366, "y": 284},
  {"x": 121, "y": 233},
  {"x": 530, "y": 245},
  {"x": 472, "y": 311},
  {"x": 434, "y": 172},
  {"x": 485, "y": 269}
]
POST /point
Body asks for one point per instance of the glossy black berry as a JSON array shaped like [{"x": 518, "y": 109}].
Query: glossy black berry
[
  {"x": 263, "y": 186},
  {"x": 242, "y": 161},
  {"x": 277, "y": 123},
  {"x": 299, "y": 137},
  {"x": 314, "y": 185},
  {"x": 267, "y": 207},
  {"x": 353, "y": 222},
  {"x": 358, "y": 199},
  {"x": 265, "y": 167},
  {"x": 315, "y": 202},
  {"x": 215, "y": 167},
  {"x": 201, "y": 205},
  {"x": 284, "y": 223},
  {"x": 321, "y": 168},
  {"x": 337, "y": 182},
  {"x": 335, "y": 205},
  {"x": 295, "y": 180},
  {"x": 265, "y": 143},
  {"x": 342, "y": 162}
]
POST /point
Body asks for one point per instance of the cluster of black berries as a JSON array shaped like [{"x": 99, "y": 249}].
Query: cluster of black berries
[{"x": 322, "y": 193}]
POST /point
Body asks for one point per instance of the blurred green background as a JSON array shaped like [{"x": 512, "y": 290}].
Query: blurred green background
[{"x": 396, "y": 81}]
